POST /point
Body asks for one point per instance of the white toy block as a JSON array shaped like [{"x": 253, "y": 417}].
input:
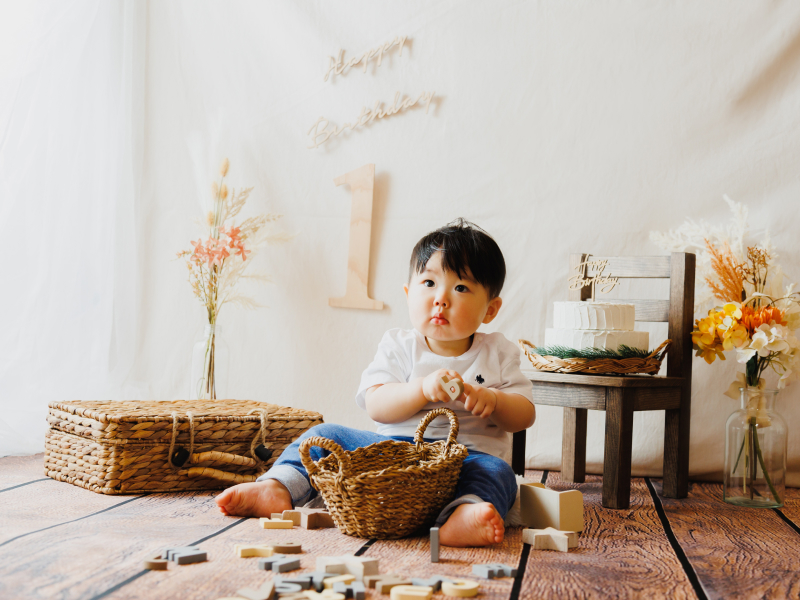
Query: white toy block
[
  {"x": 460, "y": 588},
  {"x": 411, "y": 592},
  {"x": 276, "y": 516},
  {"x": 291, "y": 515},
  {"x": 452, "y": 387},
  {"x": 275, "y": 523},
  {"x": 550, "y": 539},
  {"x": 247, "y": 551},
  {"x": 265, "y": 592},
  {"x": 287, "y": 588},
  {"x": 347, "y": 578},
  {"x": 325, "y": 595},
  {"x": 385, "y": 584},
  {"x": 541, "y": 508},
  {"x": 359, "y": 566}
]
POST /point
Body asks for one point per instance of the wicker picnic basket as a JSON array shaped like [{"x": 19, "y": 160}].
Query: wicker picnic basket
[
  {"x": 389, "y": 489},
  {"x": 130, "y": 447},
  {"x": 649, "y": 365}
]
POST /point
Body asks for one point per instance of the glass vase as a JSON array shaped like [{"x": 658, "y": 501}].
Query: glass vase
[
  {"x": 755, "y": 452},
  {"x": 209, "y": 365}
]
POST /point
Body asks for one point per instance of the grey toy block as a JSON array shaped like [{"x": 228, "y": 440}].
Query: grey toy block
[
  {"x": 287, "y": 588},
  {"x": 355, "y": 590},
  {"x": 304, "y": 581},
  {"x": 189, "y": 557},
  {"x": 279, "y": 563},
  {"x": 170, "y": 552},
  {"x": 434, "y": 582},
  {"x": 435, "y": 544},
  {"x": 493, "y": 570},
  {"x": 318, "y": 577}
]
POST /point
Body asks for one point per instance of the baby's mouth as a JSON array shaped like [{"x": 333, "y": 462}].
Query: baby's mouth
[{"x": 439, "y": 320}]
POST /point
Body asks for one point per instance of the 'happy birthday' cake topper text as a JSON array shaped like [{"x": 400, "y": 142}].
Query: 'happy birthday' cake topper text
[{"x": 590, "y": 273}]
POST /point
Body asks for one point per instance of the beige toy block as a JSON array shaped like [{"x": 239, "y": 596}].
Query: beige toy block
[
  {"x": 287, "y": 548},
  {"x": 371, "y": 580},
  {"x": 460, "y": 588},
  {"x": 265, "y": 592},
  {"x": 541, "y": 507},
  {"x": 385, "y": 584},
  {"x": 325, "y": 595},
  {"x": 275, "y": 523},
  {"x": 358, "y": 566},
  {"x": 156, "y": 562},
  {"x": 315, "y": 518},
  {"x": 411, "y": 592},
  {"x": 346, "y": 578},
  {"x": 291, "y": 515},
  {"x": 276, "y": 516},
  {"x": 452, "y": 387},
  {"x": 550, "y": 539},
  {"x": 248, "y": 551}
]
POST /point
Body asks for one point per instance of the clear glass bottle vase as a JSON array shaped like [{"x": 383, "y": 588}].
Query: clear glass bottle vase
[
  {"x": 209, "y": 375},
  {"x": 755, "y": 452}
]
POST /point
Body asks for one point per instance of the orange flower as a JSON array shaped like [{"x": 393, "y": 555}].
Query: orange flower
[{"x": 753, "y": 318}]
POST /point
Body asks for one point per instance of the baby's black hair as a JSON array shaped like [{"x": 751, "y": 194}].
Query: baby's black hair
[{"x": 465, "y": 248}]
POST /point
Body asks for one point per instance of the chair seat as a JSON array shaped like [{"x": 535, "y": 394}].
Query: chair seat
[{"x": 639, "y": 381}]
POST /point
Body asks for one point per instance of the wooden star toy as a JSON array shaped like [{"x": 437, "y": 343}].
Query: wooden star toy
[{"x": 550, "y": 539}]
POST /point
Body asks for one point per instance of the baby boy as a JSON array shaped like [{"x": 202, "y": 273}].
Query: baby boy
[{"x": 455, "y": 278}]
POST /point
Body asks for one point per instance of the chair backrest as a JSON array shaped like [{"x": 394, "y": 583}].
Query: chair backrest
[{"x": 678, "y": 311}]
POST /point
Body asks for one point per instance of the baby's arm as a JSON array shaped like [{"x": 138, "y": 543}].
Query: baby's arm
[{"x": 397, "y": 402}]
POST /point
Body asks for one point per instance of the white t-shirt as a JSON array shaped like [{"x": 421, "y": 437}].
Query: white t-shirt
[{"x": 492, "y": 361}]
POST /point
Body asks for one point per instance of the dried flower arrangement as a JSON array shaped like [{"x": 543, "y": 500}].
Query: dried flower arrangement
[{"x": 218, "y": 263}]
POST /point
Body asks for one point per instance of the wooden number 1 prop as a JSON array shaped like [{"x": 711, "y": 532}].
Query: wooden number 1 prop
[{"x": 362, "y": 184}]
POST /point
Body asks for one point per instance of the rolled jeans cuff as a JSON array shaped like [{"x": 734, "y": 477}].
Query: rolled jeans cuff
[
  {"x": 448, "y": 510},
  {"x": 298, "y": 486}
]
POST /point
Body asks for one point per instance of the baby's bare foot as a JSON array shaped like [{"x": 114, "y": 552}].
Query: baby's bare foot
[
  {"x": 473, "y": 525},
  {"x": 257, "y": 499}
]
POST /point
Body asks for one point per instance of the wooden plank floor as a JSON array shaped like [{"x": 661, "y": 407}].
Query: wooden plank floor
[{"x": 60, "y": 541}]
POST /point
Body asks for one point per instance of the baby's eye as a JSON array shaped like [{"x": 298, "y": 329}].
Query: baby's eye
[
  {"x": 426, "y": 282},
  {"x": 461, "y": 288}
]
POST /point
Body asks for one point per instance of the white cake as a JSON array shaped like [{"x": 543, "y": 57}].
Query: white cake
[{"x": 582, "y": 325}]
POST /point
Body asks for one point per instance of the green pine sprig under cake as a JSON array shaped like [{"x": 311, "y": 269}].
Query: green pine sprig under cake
[{"x": 564, "y": 352}]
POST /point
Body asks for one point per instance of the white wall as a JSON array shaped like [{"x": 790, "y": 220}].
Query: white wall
[{"x": 558, "y": 127}]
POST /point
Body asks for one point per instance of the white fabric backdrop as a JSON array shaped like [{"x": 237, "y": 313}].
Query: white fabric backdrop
[{"x": 558, "y": 127}]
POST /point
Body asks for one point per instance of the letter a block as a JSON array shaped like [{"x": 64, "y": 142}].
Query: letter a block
[{"x": 541, "y": 508}]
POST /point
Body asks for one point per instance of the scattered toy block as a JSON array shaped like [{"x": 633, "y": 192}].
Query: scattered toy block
[
  {"x": 371, "y": 581},
  {"x": 325, "y": 595},
  {"x": 434, "y": 582},
  {"x": 275, "y": 523},
  {"x": 156, "y": 562},
  {"x": 277, "y": 516},
  {"x": 318, "y": 577},
  {"x": 346, "y": 578},
  {"x": 385, "y": 584},
  {"x": 247, "y": 551},
  {"x": 493, "y": 570},
  {"x": 294, "y": 596},
  {"x": 354, "y": 565},
  {"x": 190, "y": 557},
  {"x": 541, "y": 507},
  {"x": 265, "y": 592},
  {"x": 169, "y": 553},
  {"x": 287, "y": 548},
  {"x": 434, "y": 544},
  {"x": 354, "y": 589},
  {"x": 279, "y": 563},
  {"x": 287, "y": 588},
  {"x": 550, "y": 539},
  {"x": 452, "y": 387},
  {"x": 411, "y": 592},
  {"x": 304, "y": 581},
  {"x": 315, "y": 518},
  {"x": 460, "y": 588},
  {"x": 295, "y": 516}
]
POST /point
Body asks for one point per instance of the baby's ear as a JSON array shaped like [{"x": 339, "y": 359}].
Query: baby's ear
[{"x": 493, "y": 309}]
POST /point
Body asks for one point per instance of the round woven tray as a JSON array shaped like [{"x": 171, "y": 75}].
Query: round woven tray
[
  {"x": 390, "y": 489},
  {"x": 597, "y": 366}
]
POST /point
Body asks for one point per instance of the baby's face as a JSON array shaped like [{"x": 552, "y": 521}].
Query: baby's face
[{"x": 444, "y": 307}]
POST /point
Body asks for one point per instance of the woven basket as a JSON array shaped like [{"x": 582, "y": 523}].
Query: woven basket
[
  {"x": 390, "y": 489},
  {"x": 649, "y": 365},
  {"x": 130, "y": 447}
]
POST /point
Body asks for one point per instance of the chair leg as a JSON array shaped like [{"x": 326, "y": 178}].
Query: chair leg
[
  {"x": 676, "y": 452},
  {"x": 619, "y": 439},
  {"x": 573, "y": 446},
  {"x": 518, "y": 440}
]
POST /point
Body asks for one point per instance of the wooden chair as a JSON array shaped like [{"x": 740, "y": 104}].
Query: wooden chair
[{"x": 620, "y": 396}]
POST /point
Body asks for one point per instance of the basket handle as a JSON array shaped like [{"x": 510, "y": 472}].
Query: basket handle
[
  {"x": 661, "y": 351},
  {"x": 432, "y": 414},
  {"x": 312, "y": 468}
]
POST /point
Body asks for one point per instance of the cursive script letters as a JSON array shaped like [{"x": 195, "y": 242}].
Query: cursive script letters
[
  {"x": 337, "y": 64},
  {"x": 590, "y": 273}
]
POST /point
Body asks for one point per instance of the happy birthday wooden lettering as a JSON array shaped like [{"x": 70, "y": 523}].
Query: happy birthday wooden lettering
[
  {"x": 338, "y": 66},
  {"x": 590, "y": 273}
]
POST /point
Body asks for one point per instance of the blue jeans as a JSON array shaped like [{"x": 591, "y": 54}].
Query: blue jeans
[{"x": 483, "y": 478}]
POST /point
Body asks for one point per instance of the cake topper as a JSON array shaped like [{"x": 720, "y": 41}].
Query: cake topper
[{"x": 590, "y": 273}]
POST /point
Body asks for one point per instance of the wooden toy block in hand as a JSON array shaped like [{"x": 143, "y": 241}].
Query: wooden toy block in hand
[
  {"x": 541, "y": 507},
  {"x": 550, "y": 539},
  {"x": 452, "y": 387}
]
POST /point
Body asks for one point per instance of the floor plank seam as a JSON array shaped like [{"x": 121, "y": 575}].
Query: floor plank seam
[
  {"x": 516, "y": 588},
  {"x": 136, "y": 576},
  {"x": 787, "y": 520},
  {"x": 691, "y": 574},
  {"x": 73, "y": 520},
  {"x": 13, "y": 487},
  {"x": 364, "y": 548}
]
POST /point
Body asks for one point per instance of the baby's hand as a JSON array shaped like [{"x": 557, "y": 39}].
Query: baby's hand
[
  {"x": 432, "y": 387},
  {"x": 481, "y": 401}
]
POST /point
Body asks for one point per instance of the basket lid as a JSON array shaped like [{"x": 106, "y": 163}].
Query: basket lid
[{"x": 154, "y": 420}]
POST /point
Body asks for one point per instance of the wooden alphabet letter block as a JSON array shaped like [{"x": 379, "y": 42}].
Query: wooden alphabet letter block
[
  {"x": 541, "y": 507},
  {"x": 550, "y": 539}
]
